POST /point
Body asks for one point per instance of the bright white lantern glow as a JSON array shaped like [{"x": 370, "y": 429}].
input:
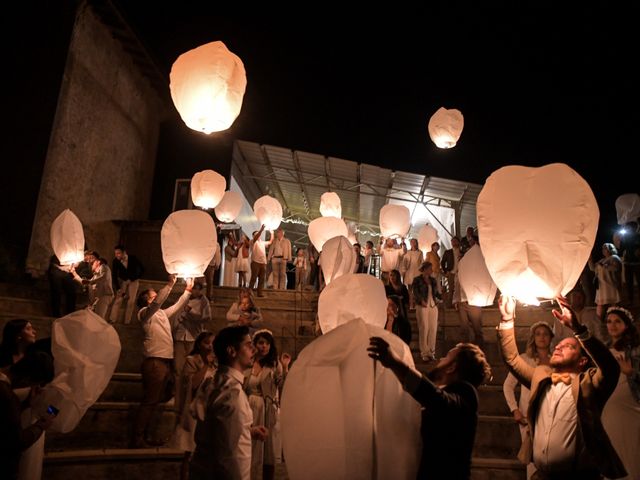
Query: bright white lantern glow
[
  {"x": 330, "y": 205},
  {"x": 207, "y": 188},
  {"x": 323, "y": 228},
  {"x": 354, "y": 295},
  {"x": 207, "y": 87},
  {"x": 268, "y": 211},
  {"x": 189, "y": 241},
  {"x": 338, "y": 258},
  {"x": 427, "y": 236},
  {"x": 67, "y": 238},
  {"x": 476, "y": 283},
  {"x": 628, "y": 208},
  {"x": 395, "y": 221},
  {"x": 537, "y": 227},
  {"x": 229, "y": 207},
  {"x": 445, "y": 127},
  {"x": 344, "y": 401}
]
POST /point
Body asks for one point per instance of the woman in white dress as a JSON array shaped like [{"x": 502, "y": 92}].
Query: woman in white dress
[
  {"x": 230, "y": 277},
  {"x": 410, "y": 267},
  {"x": 621, "y": 414},
  {"x": 537, "y": 353},
  {"x": 608, "y": 272}
]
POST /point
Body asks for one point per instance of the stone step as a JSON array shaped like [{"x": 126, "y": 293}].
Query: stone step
[
  {"x": 497, "y": 436},
  {"x": 497, "y": 469},
  {"x": 492, "y": 401}
]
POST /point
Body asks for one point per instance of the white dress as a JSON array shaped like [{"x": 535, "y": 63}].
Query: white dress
[{"x": 410, "y": 265}]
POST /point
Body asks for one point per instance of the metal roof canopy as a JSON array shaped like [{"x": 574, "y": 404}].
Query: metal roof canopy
[{"x": 298, "y": 179}]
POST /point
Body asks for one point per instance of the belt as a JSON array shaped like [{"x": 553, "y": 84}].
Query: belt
[{"x": 278, "y": 256}]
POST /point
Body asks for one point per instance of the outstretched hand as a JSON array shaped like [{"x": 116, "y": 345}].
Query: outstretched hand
[
  {"x": 566, "y": 315},
  {"x": 189, "y": 286},
  {"x": 380, "y": 350},
  {"x": 507, "y": 306}
]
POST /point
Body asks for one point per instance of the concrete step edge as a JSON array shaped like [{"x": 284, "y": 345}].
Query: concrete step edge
[
  {"x": 112, "y": 455},
  {"x": 498, "y": 463}
]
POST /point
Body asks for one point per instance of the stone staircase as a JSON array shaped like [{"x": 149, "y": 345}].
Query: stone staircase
[{"x": 97, "y": 448}]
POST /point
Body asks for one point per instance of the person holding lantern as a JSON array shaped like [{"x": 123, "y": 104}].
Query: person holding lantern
[
  {"x": 279, "y": 255},
  {"x": 126, "y": 271},
  {"x": 259, "y": 260}
]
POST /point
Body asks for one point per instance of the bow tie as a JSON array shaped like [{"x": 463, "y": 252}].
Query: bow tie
[{"x": 561, "y": 377}]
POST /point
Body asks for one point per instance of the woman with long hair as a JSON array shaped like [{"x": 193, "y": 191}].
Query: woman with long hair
[
  {"x": 263, "y": 385},
  {"x": 537, "y": 352},
  {"x": 621, "y": 414},
  {"x": 18, "y": 334},
  {"x": 411, "y": 266},
  {"x": 608, "y": 276}
]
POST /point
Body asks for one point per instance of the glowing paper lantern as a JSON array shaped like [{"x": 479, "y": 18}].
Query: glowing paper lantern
[
  {"x": 86, "y": 350},
  {"x": 395, "y": 221},
  {"x": 207, "y": 86},
  {"x": 354, "y": 295},
  {"x": 537, "y": 227},
  {"x": 207, "y": 188},
  {"x": 268, "y": 211},
  {"x": 189, "y": 241},
  {"x": 628, "y": 208},
  {"x": 322, "y": 229},
  {"x": 475, "y": 280},
  {"x": 330, "y": 205},
  {"x": 445, "y": 127},
  {"x": 427, "y": 236},
  {"x": 67, "y": 238},
  {"x": 229, "y": 207},
  {"x": 359, "y": 422},
  {"x": 338, "y": 258}
]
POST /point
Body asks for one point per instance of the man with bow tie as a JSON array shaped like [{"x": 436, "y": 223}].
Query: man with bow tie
[{"x": 567, "y": 439}]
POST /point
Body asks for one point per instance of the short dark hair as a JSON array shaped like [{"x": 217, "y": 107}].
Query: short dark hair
[
  {"x": 143, "y": 298},
  {"x": 228, "y": 337},
  {"x": 472, "y": 365},
  {"x": 198, "y": 284},
  {"x": 120, "y": 247},
  {"x": 36, "y": 368}
]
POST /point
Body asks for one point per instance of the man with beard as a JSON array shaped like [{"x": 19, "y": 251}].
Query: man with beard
[
  {"x": 450, "y": 402},
  {"x": 566, "y": 437}
]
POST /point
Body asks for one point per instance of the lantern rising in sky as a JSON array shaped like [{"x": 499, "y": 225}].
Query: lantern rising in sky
[
  {"x": 207, "y": 189},
  {"x": 628, "y": 208},
  {"x": 445, "y": 127},
  {"x": 395, "y": 221},
  {"x": 324, "y": 228},
  {"x": 67, "y": 238},
  {"x": 229, "y": 207},
  {"x": 268, "y": 211},
  {"x": 207, "y": 86}
]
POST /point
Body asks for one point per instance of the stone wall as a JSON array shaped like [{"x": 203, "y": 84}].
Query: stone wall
[{"x": 101, "y": 156}]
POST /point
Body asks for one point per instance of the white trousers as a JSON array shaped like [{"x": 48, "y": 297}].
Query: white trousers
[{"x": 427, "y": 329}]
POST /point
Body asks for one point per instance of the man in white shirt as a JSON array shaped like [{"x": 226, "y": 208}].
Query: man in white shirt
[
  {"x": 157, "y": 366},
  {"x": 279, "y": 255},
  {"x": 223, "y": 436},
  {"x": 391, "y": 257},
  {"x": 259, "y": 260}
]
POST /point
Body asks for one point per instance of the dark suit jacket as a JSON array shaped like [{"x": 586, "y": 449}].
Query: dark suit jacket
[
  {"x": 133, "y": 271},
  {"x": 590, "y": 395},
  {"x": 447, "y": 262}
]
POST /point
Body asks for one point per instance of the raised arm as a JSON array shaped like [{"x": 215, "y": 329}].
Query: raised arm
[
  {"x": 147, "y": 312},
  {"x": 507, "y": 341},
  {"x": 184, "y": 298}
]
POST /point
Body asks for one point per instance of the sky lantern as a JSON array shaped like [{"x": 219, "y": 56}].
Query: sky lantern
[
  {"x": 395, "y": 221},
  {"x": 207, "y": 86},
  {"x": 475, "y": 280},
  {"x": 189, "y": 241},
  {"x": 537, "y": 227},
  {"x": 67, "y": 238},
  {"x": 628, "y": 208},
  {"x": 207, "y": 189},
  {"x": 229, "y": 207},
  {"x": 427, "y": 236},
  {"x": 330, "y": 205},
  {"x": 268, "y": 211},
  {"x": 359, "y": 423},
  {"x": 338, "y": 258},
  {"x": 352, "y": 229},
  {"x": 445, "y": 127},
  {"x": 323, "y": 228}
]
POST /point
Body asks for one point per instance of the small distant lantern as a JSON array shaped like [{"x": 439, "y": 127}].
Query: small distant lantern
[
  {"x": 475, "y": 279},
  {"x": 338, "y": 258},
  {"x": 188, "y": 239},
  {"x": 427, "y": 236},
  {"x": 445, "y": 127},
  {"x": 207, "y": 189},
  {"x": 395, "y": 221},
  {"x": 628, "y": 208},
  {"x": 330, "y": 205},
  {"x": 322, "y": 229},
  {"x": 207, "y": 87},
  {"x": 229, "y": 207},
  {"x": 268, "y": 211},
  {"x": 67, "y": 238}
]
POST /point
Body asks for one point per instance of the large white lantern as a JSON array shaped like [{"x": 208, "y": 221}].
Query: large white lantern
[
  {"x": 207, "y": 188},
  {"x": 475, "y": 280},
  {"x": 268, "y": 211},
  {"x": 323, "y": 228},
  {"x": 537, "y": 227},
  {"x": 395, "y": 221},
  {"x": 229, "y": 207},
  {"x": 189, "y": 241},
  {"x": 354, "y": 295},
  {"x": 330, "y": 205},
  {"x": 427, "y": 236},
  {"x": 628, "y": 208},
  {"x": 359, "y": 423},
  {"x": 207, "y": 86},
  {"x": 338, "y": 258},
  {"x": 445, "y": 127},
  {"x": 67, "y": 238}
]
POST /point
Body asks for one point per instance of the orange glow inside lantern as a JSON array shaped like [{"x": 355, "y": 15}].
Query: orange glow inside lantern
[
  {"x": 330, "y": 205},
  {"x": 67, "y": 238},
  {"x": 445, "y": 127},
  {"x": 229, "y": 207},
  {"x": 268, "y": 211}
]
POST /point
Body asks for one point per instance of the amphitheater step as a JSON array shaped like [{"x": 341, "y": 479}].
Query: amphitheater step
[{"x": 497, "y": 469}]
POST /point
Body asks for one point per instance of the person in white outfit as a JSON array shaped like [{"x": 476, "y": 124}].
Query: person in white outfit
[
  {"x": 279, "y": 255},
  {"x": 390, "y": 257}
]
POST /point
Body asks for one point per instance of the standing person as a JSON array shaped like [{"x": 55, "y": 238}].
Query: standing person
[
  {"x": 242, "y": 262},
  {"x": 468, "y": 240},
  {"x": 230, "y": 279},
  {"x": 279, "y": 255},
  {"x": 314, "y": 270},
  {"x": 126, "y": 271},
  {"x": 630, "y": 249},
  {"x": 210, "y": 271},
  {"x": 450, "y": 399},
  {"x": 369, "y": 253},
  {"x": 223, "y": 435},
  {"x": 411, "y": 267},
  {"x": 621, "y": 414},
  {"x": 390, "y": 257},
  {"x": 608, "y": 272},
  {"x": 61, "y": 283},
  {"x": 434, "y": 259},
  {"x": 359, "y": 266},
  {"x": 157, "y": 366},
  {"x": 537, "y": 353},
  {"x": 568, "y": 440},
  {"x": 397, "y": 322},
  {"x": 263, "y": 385},
  {"x": 259, "y": 260},
  {"x": 300, "y": 265},
  {"x": 99, "y": 286},
  {"x": 449, "y": 266},
  {"x": 426, "y": 295}
]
